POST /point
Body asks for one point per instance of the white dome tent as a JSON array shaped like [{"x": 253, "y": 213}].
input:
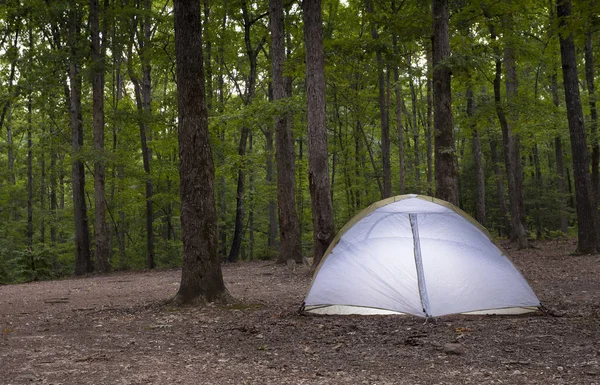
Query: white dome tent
[{"x": 418, "y": 255}]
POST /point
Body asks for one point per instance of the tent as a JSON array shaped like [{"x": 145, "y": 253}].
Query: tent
[{"x": 418, "y": 255}]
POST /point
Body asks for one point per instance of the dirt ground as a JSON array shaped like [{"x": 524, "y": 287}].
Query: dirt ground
[{"x": 116, "y": 329}]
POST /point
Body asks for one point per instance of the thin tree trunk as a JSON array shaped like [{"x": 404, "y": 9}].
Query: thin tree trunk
[
  {"x": 318, "y": 173},
  {"x": 446, "y": 184},
  {"x": 252, "y": 54},
  {"x": 517, "y": 227},
  {"x": 250, "y": 204},
  {"x": 477, "y": 158},
  {"x": 415, "y": 130},
  {"x": 222, "y": 189},
  {"x": 539, "y": 191},
  {"x": 29, "y": 179},
  {"x": 7, "y": 116},
  {"x": 143, "y": 98},
  {"x": 398, "y": 105},
  {"x": 587, "y": 236},
  {"x": 429, "y": 125},
  {"x": 589, "y": 78},
  {"x": 518, "y": 191},
  {"x": 504, "y": 226},
  {"x": 201, "y": 277},
  {"x": 564, "y": 219},
  {"x": 83, "y": 260},
  {"x": 383, "y": 108},
  {"x": 560, "y": 168},
  {"x": 289, "y": 226}
]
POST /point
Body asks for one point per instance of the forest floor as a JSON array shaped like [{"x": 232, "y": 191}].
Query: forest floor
[{"x": 117, "y": 329}]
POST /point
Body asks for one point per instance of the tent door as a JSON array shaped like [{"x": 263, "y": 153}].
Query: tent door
[{"x": 414, "y": 224}]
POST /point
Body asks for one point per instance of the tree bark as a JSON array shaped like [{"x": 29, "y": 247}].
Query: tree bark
[
  {"x": 428, "y": 126},
  {"x": 143, "y": 98},
  {"x": 477, "y": 158},
  {"x": 517, "y": 227},
  {"x": 560, "y": 168},
  {"x": 445, "y": 165},
  {"x": 587, "y": 237},
  {"x": 289, "y": 226},
  {"x": 30, "y": 180},
  {"x": 201, "y": 277},
  {"x": 504, "y": 226},
  {"x": 252, "y": 54},
  {"x": 97, "y": 69},
  {"x": 398, "y": 105},
  {"x": 383, "y": 108},
  {"x": 318, "y": 168},
  {"x": 83, "y": 260},
  {"x": 589, "y": 78},
  {"x": 513, "y": 151},
  {"x": 415, "y": 131}
]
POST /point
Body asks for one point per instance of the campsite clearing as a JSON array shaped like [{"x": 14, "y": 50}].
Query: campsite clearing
[{"x": 116, "y": 329}]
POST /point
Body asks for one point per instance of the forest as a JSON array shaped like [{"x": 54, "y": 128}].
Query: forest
[{"x": 89, "y": 124}]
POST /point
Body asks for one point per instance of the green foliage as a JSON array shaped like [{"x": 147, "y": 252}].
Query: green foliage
[{"x": 355, "y": 156}]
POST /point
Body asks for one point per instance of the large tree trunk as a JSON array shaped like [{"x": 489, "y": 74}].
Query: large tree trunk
[
  {"x": 587, "y": 236},
  {"x": 318, "y": 168},
  {"x": 97, "y": 69},
  {"x": 289, "y": 227},
  {"x": 201, "y": 277},
  {"x": 83, "y": 260},
  {"x": 446, "y": 184}
]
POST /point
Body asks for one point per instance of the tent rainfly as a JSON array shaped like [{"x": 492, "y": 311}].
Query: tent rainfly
[{"x": 418, "y": 255}]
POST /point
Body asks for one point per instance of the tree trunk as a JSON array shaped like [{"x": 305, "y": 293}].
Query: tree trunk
[
  {"x": 589, "y": 78},
  {"x": 477, "y": 158},
  {"x": 289, "y": 226},
  {"x": 7, "y": 115},
  {"x": 383, "y": 108},
  {"x": 252, "y": 54},
  {"x": 504, "y": 226},
  {"x": 318, "y": 168},
  {"x": 201, "y": 277},
  {"x": 398, "y": 105},
  {"x": 516, "y": 192},
  {"x": 428, "y": 127},
  {"x": 587, "y": 236},
  {"x": 446, "y": 184},
  {"x": 517, "y": 227},
  {"x": 83, "y": 260},
  {"x": 270, "y": 179},
  {"x": 560, "y": 168},
  {"x": 29, "y": 179},
  {"x": 415, "y": 130},
  {"x": 97, "y": 69},
  {"x": 143, "y": 98}
]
